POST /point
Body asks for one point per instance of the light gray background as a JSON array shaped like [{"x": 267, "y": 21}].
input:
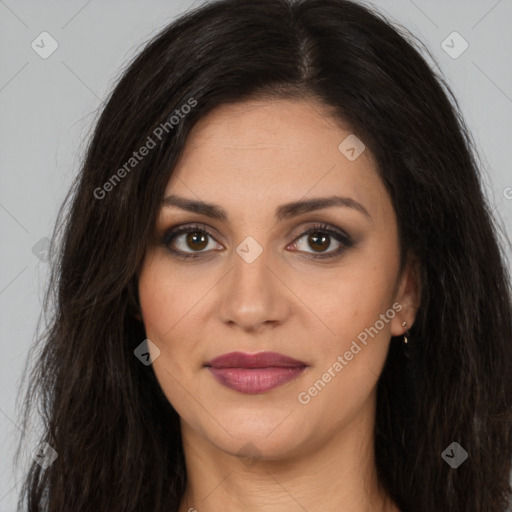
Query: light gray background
[{"x": 48, "y": 106}]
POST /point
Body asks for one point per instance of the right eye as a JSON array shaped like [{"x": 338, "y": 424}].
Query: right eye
[{"x": 191, "y": 241}]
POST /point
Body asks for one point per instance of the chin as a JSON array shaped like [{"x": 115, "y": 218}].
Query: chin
[{"x": 273, "y": 434}]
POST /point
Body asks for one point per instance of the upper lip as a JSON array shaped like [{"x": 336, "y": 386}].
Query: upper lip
[{"x": 259, "y": 360}]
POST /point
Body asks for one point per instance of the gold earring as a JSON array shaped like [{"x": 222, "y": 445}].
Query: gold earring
[{"x": 404, "y": 324}]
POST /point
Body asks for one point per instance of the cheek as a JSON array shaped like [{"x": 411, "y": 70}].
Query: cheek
[
  {"x": 173, "y": 302},
  {"x": 167, "y": 297},
  {"x": 166, "y": 302},
  {"x": 157, "y": 300},
  {"x": 352, "y": 298},
  {"x": 361, "y": 323},
  {"x": 350, "y": 359},
  {"x": 356, "y": 305}
]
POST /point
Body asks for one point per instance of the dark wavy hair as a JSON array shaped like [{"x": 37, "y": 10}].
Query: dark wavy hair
[{"x": 117, "y": 436}]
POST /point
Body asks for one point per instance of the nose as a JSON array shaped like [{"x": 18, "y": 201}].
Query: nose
[{"x": 253, "y": 295}]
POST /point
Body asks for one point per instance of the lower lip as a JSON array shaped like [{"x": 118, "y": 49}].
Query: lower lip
[{"x": 255, "y": 380}]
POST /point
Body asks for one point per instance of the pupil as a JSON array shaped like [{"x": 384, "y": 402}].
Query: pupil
[
  {"x": 319, "y": 241},
  {"x": 198, "y": 239}
]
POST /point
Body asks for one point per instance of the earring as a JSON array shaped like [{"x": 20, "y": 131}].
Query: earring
[{"x": 404, "y": 324}]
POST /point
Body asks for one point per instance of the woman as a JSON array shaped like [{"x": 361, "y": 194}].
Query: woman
[{"x": 280, "y": 286}]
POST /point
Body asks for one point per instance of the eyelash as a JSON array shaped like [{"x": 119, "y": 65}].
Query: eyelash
[{"x": 341, "y": 237}]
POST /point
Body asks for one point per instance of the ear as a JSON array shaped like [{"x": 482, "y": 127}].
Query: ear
[{"x": 408, "y": 296}]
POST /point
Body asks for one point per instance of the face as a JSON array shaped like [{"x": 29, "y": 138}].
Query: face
[{"x": 265, "y": 268}]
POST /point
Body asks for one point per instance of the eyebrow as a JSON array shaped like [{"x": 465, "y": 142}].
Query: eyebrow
[{"x": 283, "y": 212}]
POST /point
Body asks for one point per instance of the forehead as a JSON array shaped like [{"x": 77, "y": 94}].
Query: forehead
[
  {"x": 273, "y": 151},
  {"x": 273, "y": 125}
]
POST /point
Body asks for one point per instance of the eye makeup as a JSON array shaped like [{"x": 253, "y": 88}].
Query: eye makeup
[{"x": 317, "y": 233}]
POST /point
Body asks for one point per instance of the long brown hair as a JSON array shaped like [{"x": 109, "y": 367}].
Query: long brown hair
[{"x": 116, "y": 435}]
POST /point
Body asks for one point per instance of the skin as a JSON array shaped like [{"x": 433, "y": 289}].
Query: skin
[{"x": 249, "y": 158}]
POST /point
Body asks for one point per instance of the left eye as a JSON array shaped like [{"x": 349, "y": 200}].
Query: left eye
[{"x": 320, "y": 239}]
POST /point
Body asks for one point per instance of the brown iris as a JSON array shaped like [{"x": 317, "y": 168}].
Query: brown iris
[
  {"x": 318, "y": 241},
  {"x": 197, "y": 240}
]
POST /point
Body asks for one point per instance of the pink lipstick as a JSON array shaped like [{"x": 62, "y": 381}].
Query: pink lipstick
[{"x": 254, "y": 373}]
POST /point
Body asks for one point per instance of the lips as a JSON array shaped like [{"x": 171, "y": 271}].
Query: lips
[
  {"x": 254, "y": 373},
  {"x": 260, "y": 360}
]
